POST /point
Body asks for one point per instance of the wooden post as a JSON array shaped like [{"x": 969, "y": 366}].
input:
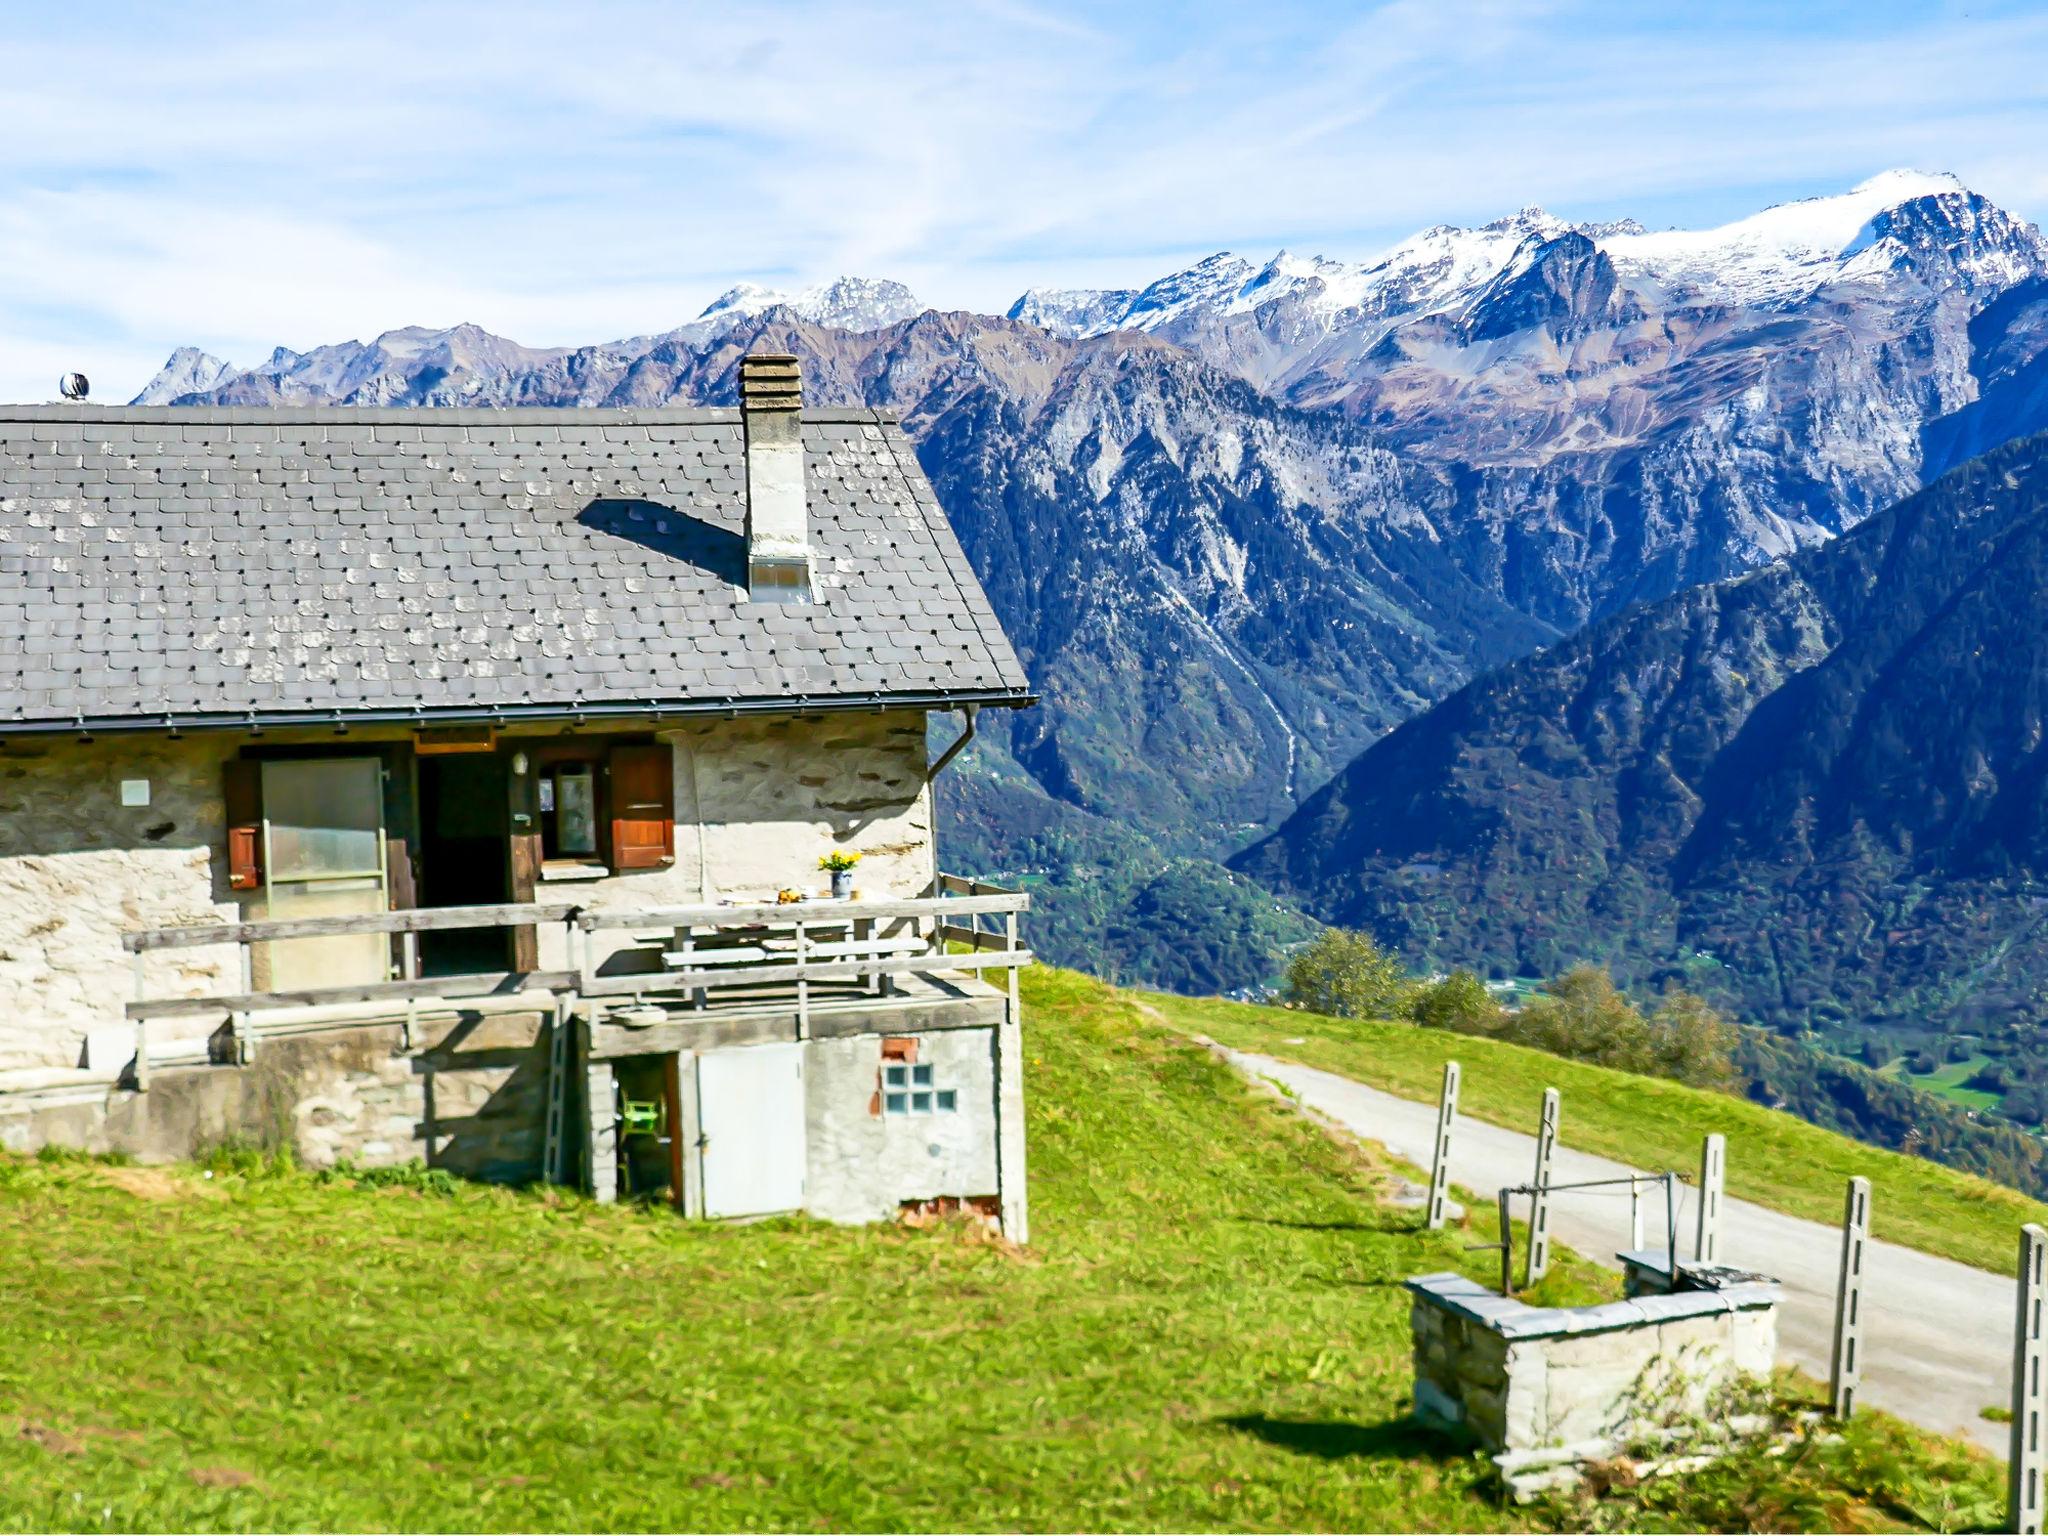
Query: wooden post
[
  {"x": 1539, "y": 1202},
  {"x": 1440, "y": 1157},
  {"x": 1507, "y": 1246},
  {"x": 1845, "y": 1369},
  {"x": 2023, "y": 1464},
  {"x": 1706, "y": 1243}
]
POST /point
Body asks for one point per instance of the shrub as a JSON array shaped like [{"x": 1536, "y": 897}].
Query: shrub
[
  {"x": 1583, "y": 1016},
  {"x": 414, "y": 1175},
  {"x": 1459, "y": 1003},
  {"x": 1345, "y": 973}
]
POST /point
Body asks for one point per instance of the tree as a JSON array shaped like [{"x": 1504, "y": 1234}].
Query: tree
[{"x": 1346, "y": 974}]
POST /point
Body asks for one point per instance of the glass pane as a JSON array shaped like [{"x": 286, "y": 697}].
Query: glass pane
[
  {"x": 948, "y": 1101},
  {"x": 921, "y": 1076},
  {"x": 896, "y": 1103},
  {"x": 576, "y": 812},
  {"x": 895, "y": 1077},
  {"x": 325, "y": 815},
  {"x": 921, "y": 1103}
]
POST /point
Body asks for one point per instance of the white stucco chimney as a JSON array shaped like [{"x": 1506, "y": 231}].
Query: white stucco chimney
[{"x": 778, "y": 522}]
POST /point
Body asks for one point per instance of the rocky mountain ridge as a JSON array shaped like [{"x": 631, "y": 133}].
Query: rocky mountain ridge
[{"x": 1237, "y": 543}]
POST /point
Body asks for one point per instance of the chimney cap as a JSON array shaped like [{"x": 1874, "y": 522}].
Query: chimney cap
[{"x": 771, "y": 381}]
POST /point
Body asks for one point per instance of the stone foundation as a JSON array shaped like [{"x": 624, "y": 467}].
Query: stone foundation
[
  {"x": 1548, "y": 1389},
  {"x": 470, "y": 1099}
]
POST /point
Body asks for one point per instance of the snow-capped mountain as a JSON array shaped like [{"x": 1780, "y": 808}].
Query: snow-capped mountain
[
  {"x": 857, "y": 304},
  {"x": 1777, "y": 256}
]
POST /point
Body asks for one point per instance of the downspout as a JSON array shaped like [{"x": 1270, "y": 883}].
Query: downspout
[
  {"x": 931, "y": 775},
  {"x": 966, "y": 736}
]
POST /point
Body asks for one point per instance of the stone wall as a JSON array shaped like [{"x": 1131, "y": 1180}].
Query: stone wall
[
  {"x": 78, "y": 869},
  {"x": 756, "y": 802},
  {"x": 1546, "y": 1388},
  {"x": 469, "y": 1099}
]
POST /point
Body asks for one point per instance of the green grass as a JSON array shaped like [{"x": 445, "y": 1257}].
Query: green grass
[
  {"x": 1947, "y": 1081},
  {"x": 1208, "y": 1332},
  {"x": 1774, "y": 1159}
]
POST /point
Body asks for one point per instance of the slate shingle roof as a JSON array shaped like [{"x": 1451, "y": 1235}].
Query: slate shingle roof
[{"x": 186, "y": 564}]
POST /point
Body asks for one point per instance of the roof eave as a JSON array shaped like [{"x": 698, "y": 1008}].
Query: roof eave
[{"x": 608, "y": 709}]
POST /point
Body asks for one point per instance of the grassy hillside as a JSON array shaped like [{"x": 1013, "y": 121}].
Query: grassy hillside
[
  {"x": 1774, "y": 1158},
  {"x": 1208, "y": 1332}
]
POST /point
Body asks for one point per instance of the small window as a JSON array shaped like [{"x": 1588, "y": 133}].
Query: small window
[
  {"x": 568, "y": 811},
  {"x": 910, "y": 1090}
]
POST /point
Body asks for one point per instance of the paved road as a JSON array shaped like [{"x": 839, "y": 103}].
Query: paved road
[{"x": 1937, "y": 1335}]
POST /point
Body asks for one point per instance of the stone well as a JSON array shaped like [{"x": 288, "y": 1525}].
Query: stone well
[{"x": 1548, "y": 1389}]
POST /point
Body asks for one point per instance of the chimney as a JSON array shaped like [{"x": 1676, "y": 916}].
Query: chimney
[{"x": 778, "y": 522}]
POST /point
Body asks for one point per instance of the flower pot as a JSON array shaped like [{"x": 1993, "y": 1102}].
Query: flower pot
[{"x": 842, "y": 884}]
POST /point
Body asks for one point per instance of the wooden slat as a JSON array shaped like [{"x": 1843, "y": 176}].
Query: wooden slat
[
  {"x": 415, "y": 920},
  {"x": 814, "y": 914},
  {"x": 973, "y": 938},
  {"x": 829, "y": 970},
  {"x": 432, "y": 989}
]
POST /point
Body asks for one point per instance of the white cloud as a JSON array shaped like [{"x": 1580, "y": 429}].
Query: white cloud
[{"x": 239, "y": 177}]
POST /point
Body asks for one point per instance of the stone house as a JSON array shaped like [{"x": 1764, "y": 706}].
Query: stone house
[{"x": 432, "y": 783}]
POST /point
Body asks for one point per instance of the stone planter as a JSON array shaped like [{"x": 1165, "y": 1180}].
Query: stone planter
[{"x": 1549, "y": 1389}]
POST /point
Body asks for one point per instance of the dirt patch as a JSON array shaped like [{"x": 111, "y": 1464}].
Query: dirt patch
[
  {"x": 222, "y": 1477},
  {"x": 55, "y": 1441},
  {"x": 154, "y": 1183}
]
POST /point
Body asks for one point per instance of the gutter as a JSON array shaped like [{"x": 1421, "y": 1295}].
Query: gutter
[{"x": 340, "y": 720}]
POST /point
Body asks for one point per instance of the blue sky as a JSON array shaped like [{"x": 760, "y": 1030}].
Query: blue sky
[{"x": 242, "y": 176}]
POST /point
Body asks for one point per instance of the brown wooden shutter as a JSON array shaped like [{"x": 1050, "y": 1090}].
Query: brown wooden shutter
[
  {"x": 643, "y": 807},
  {"x": 242, "y": 790}
]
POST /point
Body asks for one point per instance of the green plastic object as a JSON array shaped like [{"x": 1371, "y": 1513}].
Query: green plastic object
[{"x": 642, "y": 1117}]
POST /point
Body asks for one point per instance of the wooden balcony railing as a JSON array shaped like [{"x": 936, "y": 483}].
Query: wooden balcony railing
[{"x": 698, "y": 949}]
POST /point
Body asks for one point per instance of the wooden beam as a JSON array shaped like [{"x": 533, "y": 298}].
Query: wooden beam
[
  {"x": 799, "y": 911},
  {"x": 833, "y": 970},
  {"x": 417, "y": 920},
  {"x": 436, "y": 988}
]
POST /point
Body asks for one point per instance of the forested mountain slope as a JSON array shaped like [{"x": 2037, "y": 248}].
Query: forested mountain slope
[{"x": 1818, "y": 791}]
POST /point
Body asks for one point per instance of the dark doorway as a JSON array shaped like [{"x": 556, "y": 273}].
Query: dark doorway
[{"x": 463, "y": 825}]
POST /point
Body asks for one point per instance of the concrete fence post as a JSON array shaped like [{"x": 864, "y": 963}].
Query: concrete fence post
[
  {"x": 1539, "y": 1203},
  {"x": 1440, "y": 1156},
  {"x": 2023, "y": 1465},
  {"x": 1845, "y": 1368},
  {"x": 1706, "y": 1243}
]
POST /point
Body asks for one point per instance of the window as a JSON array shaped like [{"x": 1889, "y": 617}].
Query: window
[
  {"x": 568, "y": 811},
  {"x": 908, "y": 1089}
]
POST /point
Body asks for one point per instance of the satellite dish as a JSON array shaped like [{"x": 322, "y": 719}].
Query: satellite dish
[{"x": 74, "y": 386}]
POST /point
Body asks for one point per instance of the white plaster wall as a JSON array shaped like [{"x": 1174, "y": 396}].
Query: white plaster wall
[
  {"x": 78, "y": 869},
  {"x": 864, "y": 1164},
  {"x": 758, "y": 801}
]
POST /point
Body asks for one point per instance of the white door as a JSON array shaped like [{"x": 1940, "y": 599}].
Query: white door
[{"x": 750, "y": 1110}]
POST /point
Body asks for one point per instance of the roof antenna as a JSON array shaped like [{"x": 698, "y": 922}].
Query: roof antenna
[{"x": 74, "y": 386}]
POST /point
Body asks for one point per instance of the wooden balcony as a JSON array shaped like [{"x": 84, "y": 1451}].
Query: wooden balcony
[{"x": 644, "y": 980}]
